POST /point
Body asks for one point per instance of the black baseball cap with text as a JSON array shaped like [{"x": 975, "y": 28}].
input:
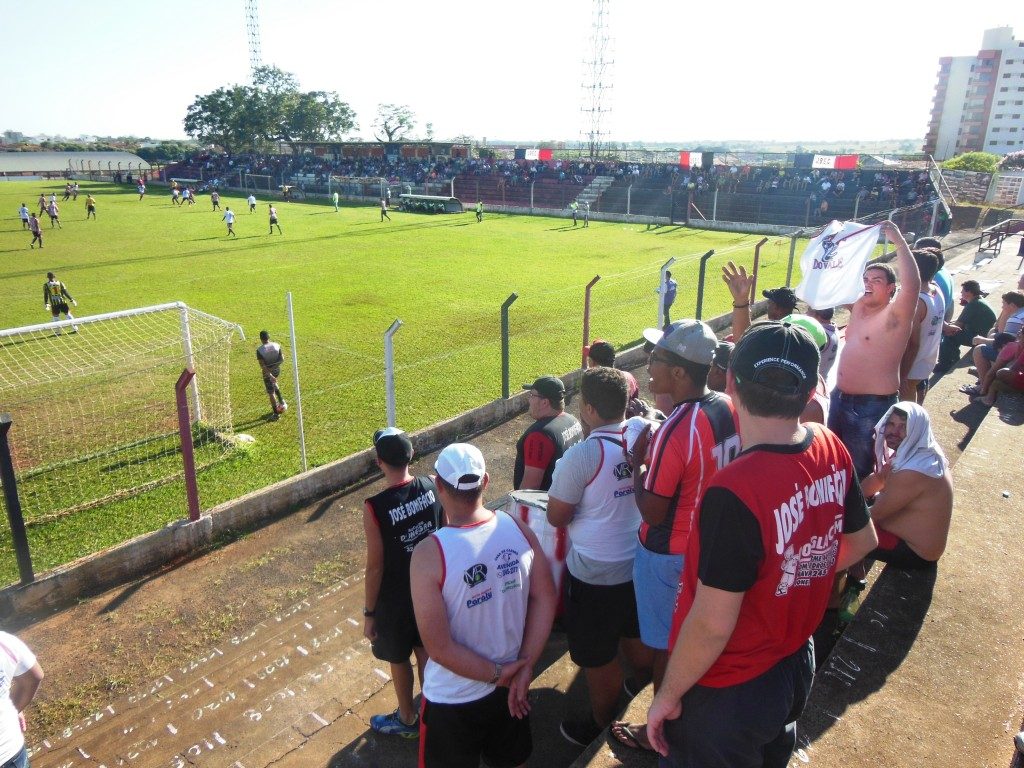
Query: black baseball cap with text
[{"x": 777, "y": 346}]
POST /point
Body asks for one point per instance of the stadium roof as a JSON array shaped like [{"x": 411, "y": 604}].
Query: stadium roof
[{"x": 58, "y": 162}]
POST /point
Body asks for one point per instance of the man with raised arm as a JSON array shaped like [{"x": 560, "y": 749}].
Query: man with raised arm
[
  {"x": 868, "y": 376},
  {"x": 769, "y": 533},
  {"x": 484, "y": 599}
]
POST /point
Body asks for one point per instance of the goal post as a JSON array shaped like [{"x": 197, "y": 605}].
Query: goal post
[
  {"x": 94, "y": 409},
  {"x": 259, "y": 182},
  {"x": 357, "y": 187}
]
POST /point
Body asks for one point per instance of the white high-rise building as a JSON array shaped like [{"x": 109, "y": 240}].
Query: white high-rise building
[{"x": 979, "y": 100}]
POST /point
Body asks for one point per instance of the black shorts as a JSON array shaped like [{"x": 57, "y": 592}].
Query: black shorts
[
  {"x": 273, "y": 220},
  {"x": 397, "y": 634},
  {"x": 269, "y": 384},
  {"x": 459, "y": 735},
  {"x": 57, "y": 307},
  {"x": 596, "y": 618}
]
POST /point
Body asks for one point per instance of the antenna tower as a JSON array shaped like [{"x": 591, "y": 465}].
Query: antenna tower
[
  {"x": 252, "y": 26},
  {"x": 596, "y": 81}
]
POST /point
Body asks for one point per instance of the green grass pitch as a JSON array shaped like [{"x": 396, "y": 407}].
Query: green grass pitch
[{"x": 444, "y": 276}]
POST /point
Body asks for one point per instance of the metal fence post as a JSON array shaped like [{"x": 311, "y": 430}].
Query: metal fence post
[
  {"x": 389, "y": 370},
  {"x": 629, "y": 199},
  {"x": 661, "y": 319},
  {"x": 504, "y": 344},
  {"x": 586, "y": 317},
  {"x": 14, "y": 515},
  {"x": 792, "y": 256},
  {"x": 700, "y": 281},
  {"x": 531, "y": 195},
  {"x": 295, "y": 380},
  {"x": 188, "y": 458},
  {"x": 757, "y": 262},
  {"x": 714, "y": 207},
  {"x": 856, "y": 205},
  {"x": 935, "y": 215}
]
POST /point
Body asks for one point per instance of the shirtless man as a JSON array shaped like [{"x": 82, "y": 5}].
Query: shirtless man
[
  {"x": 914, "y": 501},
  {"x": 868, "y": 376}
]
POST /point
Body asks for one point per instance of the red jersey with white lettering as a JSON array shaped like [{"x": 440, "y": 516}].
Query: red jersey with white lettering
[
  {"x": 695, "y": 441},
  {"x": 769, "y": 526}
]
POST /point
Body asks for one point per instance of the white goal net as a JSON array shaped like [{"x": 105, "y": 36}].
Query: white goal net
[{"x": 93, "y": 404}]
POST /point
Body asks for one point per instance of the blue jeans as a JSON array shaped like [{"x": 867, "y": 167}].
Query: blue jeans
[
  {"x": 748, "y": 725},
  {"x": 853, "y": 419},
  {"x": 20, "y": 760}
]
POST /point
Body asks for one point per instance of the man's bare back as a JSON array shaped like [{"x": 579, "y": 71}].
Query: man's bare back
[{"x": 918, "y": 509}]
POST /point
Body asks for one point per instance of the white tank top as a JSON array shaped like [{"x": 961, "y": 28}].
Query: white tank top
[
  {"x": 931, "y": 335},
  {"x": 606, "y": 520},
  {"x": 485, "y": 590}
]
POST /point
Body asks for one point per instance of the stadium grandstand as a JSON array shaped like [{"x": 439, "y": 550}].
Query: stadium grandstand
[
  {"x": 784, "y": 189},
  {"x": 81, "y": 165}
]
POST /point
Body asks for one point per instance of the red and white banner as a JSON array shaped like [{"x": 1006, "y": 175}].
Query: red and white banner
[
  {"x": 534, "y": 154},
  {"x": 690, "y": 159},
  {"x": 835, "y": 162}
]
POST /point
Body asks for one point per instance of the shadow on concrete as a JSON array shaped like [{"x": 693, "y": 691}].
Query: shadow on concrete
[
  {"x": 970, "y": 415},
  {"x": 872, "y": 647}
]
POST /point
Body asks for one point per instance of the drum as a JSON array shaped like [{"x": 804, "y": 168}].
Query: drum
[{"x": 532, "y": 508}]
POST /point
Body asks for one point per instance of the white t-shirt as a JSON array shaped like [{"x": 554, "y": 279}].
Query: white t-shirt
[
  {"x": 15, "y": 659},
  {"x": 252, "y": 200},
  {"x": 833, "y": 264},
  {"x": 229, "y": 217},
  {"x": 595, "y": 477}
]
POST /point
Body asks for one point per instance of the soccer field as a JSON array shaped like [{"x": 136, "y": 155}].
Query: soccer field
[{"x": 351, "y": 276}]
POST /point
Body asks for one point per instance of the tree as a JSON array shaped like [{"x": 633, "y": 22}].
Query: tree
[
  {"x": 984, "y": 162},
  {"x": 272, "y": 109},
  {"x": 223, "y": 117},
  {"x": 1012, "y": 161},
  {"x": 395, "y": 121}
]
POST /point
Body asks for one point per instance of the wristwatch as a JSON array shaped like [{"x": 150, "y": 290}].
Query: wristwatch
[{"x": 497, "y": 674}]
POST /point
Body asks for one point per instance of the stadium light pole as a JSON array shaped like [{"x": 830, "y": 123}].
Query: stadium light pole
[
  {"x": 661, "y": 292},
  {"x": 389, "y": 370}
]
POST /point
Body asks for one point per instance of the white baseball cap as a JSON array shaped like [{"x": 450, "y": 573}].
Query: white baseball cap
[{"x": 462, "y": 466}]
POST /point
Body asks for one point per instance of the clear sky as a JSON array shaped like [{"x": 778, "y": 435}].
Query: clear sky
[{"x": 714, "y": 71}]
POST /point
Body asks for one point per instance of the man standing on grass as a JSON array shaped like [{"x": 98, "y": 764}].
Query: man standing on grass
[
  {"x": 251, "y": 200},
  {"x": 54, "y": 212},
  {"x": 273, "y": 220},
  {"x": 769, "y": 533},
  {"x": 270, "y": 356},
  {"x": 667, "y": 291},
  {"x": 36, "y": 230},
  {"x": 54, "y": 295},
  {"x": 90, "y": 207},
  {"x": 384, "y": 210},
  {"x": 23, "y": 215},
  {"x": 215, "y": 199},
  {"x": 395, "y": 521},
  {"x": 229, "y": 219},
  {"x": 484, "y": 599},
  {"x": 334, "y": 199}
]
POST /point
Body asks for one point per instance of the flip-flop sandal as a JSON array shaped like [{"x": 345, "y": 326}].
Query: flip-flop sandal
[
  {"x": 970, "y": 389},
  {"x": 627, "y": 735}
]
